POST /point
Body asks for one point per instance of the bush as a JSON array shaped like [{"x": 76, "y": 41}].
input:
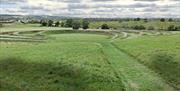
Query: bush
[
  {"x": 170, "y": 20},
  {"x": 137, "y": 19},
  {"x": 140, "y": 27},
  {"x": 69, "y": 23},
  {"x": 177, "y": 28},
  {"x": 57, "y": 24},
  {"x": 104, "y": 26},
  {"x": 50, "y": 23},
  {"x": 44, "y": 23},
  {"x": 173, "y": 28},
  {"x": 1, "y": 25},
  {"x": 62, "y": 24},
  {"x": 150, "y": 28},
  {"x": 162, "y": 20},
  {"x": 145, "y": 20},
  {"x": 76, "y": 25},
  {"x": 85, "y": 24}
]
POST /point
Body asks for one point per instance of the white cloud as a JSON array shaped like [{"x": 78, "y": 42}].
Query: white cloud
[{"x": 93, "y": 8}]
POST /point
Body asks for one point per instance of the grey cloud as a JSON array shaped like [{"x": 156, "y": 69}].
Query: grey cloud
[
  {"x": 94, "y": 8},
  {"x": 103, "y": 0}
]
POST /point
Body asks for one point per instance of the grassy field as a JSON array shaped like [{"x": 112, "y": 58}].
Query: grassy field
[
  {"x": 157, "y": 25},
  {"x": 87, "y": 62},
  {"x": 66, "y": 63},
  {"x": 66, "y": 60}
]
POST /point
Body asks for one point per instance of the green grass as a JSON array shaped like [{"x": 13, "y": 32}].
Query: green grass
[
  {"x": 160, "y": 53},
  {"x": 26, "y": 27},
  {"x": 68, "y": 63},
  {"x": 74, "y": 62}
]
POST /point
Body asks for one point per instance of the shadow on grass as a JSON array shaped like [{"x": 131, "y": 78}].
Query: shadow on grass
[
  {"x": 25, "y": 76},
  {"x": 21, "y": 75},
  {"x": 164, "y": 64}
]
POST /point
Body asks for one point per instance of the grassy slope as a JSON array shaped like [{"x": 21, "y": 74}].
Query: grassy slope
[
  {"x": 70, "y": 63},
  {"x": 135, "y": 76},
  {"x": 160, "y": 53}
]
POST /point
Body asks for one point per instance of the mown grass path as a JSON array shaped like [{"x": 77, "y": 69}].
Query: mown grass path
[{"x": 135, "y": 76}]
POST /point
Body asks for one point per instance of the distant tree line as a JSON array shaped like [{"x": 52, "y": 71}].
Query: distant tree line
[
  {"x": 49, "y": 23},
  {"x": 69, "y": 23}
]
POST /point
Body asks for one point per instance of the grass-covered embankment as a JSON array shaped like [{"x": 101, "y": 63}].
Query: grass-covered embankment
[{"x": 160, "y": 53}]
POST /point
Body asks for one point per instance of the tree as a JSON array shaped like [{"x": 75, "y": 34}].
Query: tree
[
  {"x": 137, "y": 19},
  {"x": 145, "y": 20},
  {"x": 177, "y": 28},
  {"x": 43, "y": 23},
  {"x": 62, "y": 24},
  {"x": 1, "y": 25},
  {"x": 139, "y": 27},
  {"x": 85, "y": 24},
  {"x": 69, "y": 23},
  {"x": 50, "y": 23},
  {"x": 57, "y": 24},
  {"x": 104, "y": 26},
  {"x": 173, "y": 28},
  {"x": 162, "y": 20},
  {"x": 76, "y": 25},
  {"x": 170, "y": 20}
]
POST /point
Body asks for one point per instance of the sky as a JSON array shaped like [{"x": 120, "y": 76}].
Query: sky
[{"x": 93, "y": 8}]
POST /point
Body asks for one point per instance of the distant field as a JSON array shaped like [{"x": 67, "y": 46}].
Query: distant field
[
  {"x": 128, "y": 24},
  {"x": 26, "y": 27},
  {"x": 157, "y": 25}
]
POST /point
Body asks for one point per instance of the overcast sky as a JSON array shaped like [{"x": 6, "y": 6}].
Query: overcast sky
[{"x": 93, "y": 8}]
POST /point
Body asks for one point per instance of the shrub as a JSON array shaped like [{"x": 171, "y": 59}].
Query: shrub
[
  {"x": 104, "y": 26},
  {"x": 62, "y": 24},
  {"x": 57, "y": 24},
  {"x": 170, "y": 20},
  {"x": 85, "y": 24},
  {"x": 1, "y": 25},
  {"x": 162, "y": 20},
  {"x": 137, "y": 19},
  {"x": 173, "y": 28},
  {"x": 69, "y": 23},
  {"x": 145, "y": 20},
  {"x": 177, "y": 28},
  {"x": 150, "y": 28},
  {"x": 44, "y": 23},
  {"x": 139, "y": 27},
  {"x": 50, "y": 23},
  {"x": 76, "y": 25}
]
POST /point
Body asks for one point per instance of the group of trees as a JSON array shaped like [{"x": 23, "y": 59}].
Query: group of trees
[
  {"x": 163, "y": 20},
  {"x": 104, "y": 26},
  {"x": 139, "y": 27},
  {"x": 84, "y": 24},
  {"x": 76, "y": 24},
  {"x": 173, "y": 28},
  {"x": 49, "y": 23}
]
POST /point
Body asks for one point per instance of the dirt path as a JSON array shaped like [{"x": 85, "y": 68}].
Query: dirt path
[{"x": 135, "y": 76}]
